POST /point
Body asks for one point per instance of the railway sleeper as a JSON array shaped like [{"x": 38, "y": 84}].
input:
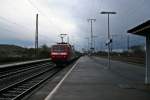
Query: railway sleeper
[
  {"x": 2, "y": 75},
  {"x": 15, "y": 92},
  {"x": 21, "y": 86},
  {"x": 19, "y": 89},
  {"x": 9, "y": 95},
  {"x": 34, "y": 82},
  {"x": 7, "y": 98},
  {"x": 27, "y": 85}
]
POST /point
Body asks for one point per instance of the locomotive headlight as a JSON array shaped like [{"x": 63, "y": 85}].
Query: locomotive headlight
[
  {"x": 53, "y": 53},
  {"x": 63, "y": 53}
]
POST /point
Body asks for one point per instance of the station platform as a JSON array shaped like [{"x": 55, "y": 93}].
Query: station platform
[
  {"x": 22, "y": 63},
  {"x": 90, "y": 79}
]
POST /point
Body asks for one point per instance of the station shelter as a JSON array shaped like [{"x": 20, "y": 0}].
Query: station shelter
[{"x": 144, "y": 30}]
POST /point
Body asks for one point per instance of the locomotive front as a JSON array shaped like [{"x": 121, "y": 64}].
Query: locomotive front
[{"x": 60, "y": 53}]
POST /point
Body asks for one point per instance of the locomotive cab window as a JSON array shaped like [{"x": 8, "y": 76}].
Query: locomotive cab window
[{"x": 58, "y": 48}]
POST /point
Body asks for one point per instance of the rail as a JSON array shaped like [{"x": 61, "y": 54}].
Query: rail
[{"x": 18, "y": 90}]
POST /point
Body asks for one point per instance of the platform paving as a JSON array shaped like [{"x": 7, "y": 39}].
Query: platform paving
[
  {"x": 92, "y": 80},
  {"x": 22, "y": 63}
]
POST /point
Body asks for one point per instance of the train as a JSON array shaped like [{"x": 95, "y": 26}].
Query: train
[{"x": 62, "y": 53}]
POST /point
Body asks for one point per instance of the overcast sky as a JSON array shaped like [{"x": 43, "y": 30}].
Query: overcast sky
[{"x": 17, "y": 19}]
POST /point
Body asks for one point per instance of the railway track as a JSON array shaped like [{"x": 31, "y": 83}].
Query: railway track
[
  {"x": 8, "y": 73},
  {"x": 15, "y": 76},
  {"x": 19, "y": 89},
  {"x": 131, "y": 60},
  {"x": 18, "y": 81},
  {"x": 19, "y": 66},
  {"x": 134, "y": 60}
]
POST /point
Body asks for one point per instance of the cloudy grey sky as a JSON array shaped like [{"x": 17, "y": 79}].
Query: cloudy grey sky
[{"x": 17, "y": 19}]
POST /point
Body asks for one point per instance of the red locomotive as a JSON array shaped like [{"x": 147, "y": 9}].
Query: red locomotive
[{"x": 62, "y": 53}]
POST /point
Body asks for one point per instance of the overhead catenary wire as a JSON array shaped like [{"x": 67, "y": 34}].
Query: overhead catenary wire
[
  {"x": 40, "y": 12},
  {"x": 14, "y": 23}
]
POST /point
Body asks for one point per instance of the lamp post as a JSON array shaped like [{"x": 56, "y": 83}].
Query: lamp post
[
  {"x": 95, "y": 42},
  {"x": 91, "y": 21},
  {"x": 109, "y": 39},
  {"x": 87, "y": 43}
]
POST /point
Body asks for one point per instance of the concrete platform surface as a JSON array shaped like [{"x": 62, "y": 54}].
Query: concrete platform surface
[
  {"x": 91, "y": 80},
  {"x": 23, "y": 63}
]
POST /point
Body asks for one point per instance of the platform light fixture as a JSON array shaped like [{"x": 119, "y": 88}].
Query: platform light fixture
[{"x": 108, "y": 13}]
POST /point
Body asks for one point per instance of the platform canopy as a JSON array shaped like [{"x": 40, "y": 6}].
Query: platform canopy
[{"x": 142, "y": 29}]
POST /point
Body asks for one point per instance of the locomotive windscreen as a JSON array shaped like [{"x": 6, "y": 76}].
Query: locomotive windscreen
[{"x": 58, "y": 48}]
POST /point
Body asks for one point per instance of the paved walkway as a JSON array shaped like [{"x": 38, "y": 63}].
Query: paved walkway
[{"x": 91, "y": 80}]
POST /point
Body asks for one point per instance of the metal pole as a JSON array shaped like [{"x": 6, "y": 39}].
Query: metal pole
[
  {"x": 88, "y": 44},
  {"x": 108, "y": 44},
  {"x": 105, "y": 12},
  {"x": 36, "y": 36},
  {"x": 128, "y": 42},
  {"x": 94, "y": 44},
  {"x": 146, "y": 69},
  {"x": 62, "y": 39},
  {"x": 91, "y": 37},
  {"x": 68, "y": 39},
  {"x": 91, "y": 21}
]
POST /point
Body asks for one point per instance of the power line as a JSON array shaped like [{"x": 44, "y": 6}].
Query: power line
[
  {"x": 6, "y": 29},
  {"x": 34, "y": 6},
  {"x": 40, "y": 11},
  {"x": 18, "y": 25},
  {"x": 8, "y": 21}
]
